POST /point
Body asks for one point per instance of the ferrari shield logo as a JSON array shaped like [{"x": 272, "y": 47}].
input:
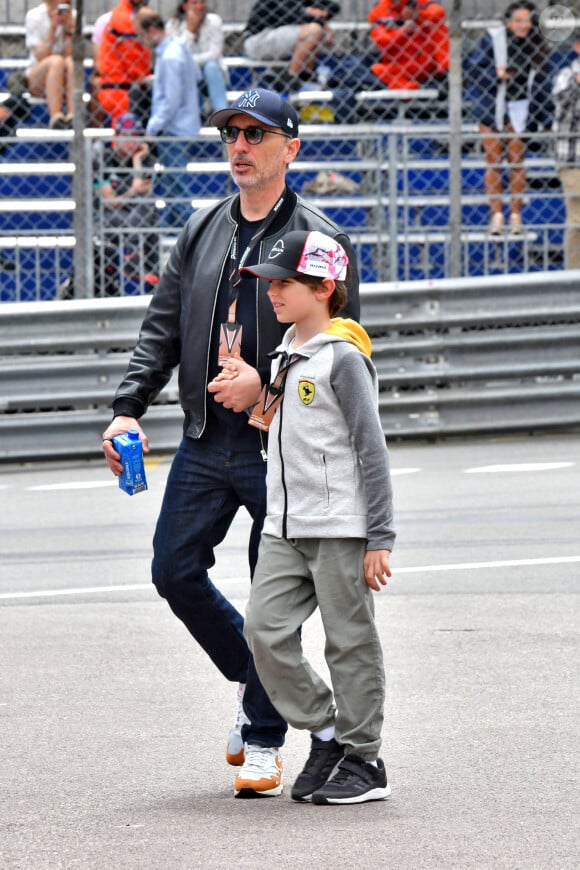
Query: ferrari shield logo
[{"x": 306, "y": 391}]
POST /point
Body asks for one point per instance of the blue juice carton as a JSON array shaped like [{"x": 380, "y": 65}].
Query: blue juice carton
[{"x": 130, "y": 449}]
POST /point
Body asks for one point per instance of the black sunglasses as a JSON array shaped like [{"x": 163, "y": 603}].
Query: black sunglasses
[{"x": 252, "y": 135}]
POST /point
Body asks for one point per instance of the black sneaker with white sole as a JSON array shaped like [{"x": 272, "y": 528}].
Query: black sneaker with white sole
[
  {"x": 324, "y": 757},
  {"x": 355, "y": 782}
]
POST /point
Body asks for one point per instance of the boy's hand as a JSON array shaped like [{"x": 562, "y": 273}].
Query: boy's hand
[
  {"x": 238, "y": 386},
  {"x": 377, "y": 568}
]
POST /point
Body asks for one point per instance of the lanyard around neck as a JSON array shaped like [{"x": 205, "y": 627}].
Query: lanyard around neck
[
  {"x": 273, "y": 392},
  {"x": 235, "y": 278}
]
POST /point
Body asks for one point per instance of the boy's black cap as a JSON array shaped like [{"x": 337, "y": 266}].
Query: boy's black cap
[
  {"x": 302, "y": 252},
  {"x": 262, "y": 105}
]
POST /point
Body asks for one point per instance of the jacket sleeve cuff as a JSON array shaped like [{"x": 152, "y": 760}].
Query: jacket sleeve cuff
[{"x": 125, "y": 406}]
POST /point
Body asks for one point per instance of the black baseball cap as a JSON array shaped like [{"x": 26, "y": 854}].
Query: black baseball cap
[
  {"x": 262, "y": 105},
  {"x": 302, "y": 252}
]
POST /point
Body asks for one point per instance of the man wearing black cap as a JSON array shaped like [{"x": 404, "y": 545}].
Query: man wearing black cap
[{"x": 203, "y": 313}]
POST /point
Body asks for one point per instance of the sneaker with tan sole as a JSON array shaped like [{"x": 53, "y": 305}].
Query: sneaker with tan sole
[
  {"x": 235, "y": 749},
  {"x": 261, "y": 773}
]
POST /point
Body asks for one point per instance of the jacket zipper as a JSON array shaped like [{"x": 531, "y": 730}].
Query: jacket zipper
[
  {"x": 263, "y": 447},
  {"x": 282, "y": 476},
  {"x": 216, "y": 291}
]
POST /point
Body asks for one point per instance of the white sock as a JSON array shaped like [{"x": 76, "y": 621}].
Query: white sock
[
  {"x": 374, "y": 763},
  {"x": 326, "y": 733},
  {"x": 241, "y": 689}
]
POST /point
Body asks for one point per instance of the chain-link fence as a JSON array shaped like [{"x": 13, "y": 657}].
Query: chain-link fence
[{"x": 427, "y": 133}]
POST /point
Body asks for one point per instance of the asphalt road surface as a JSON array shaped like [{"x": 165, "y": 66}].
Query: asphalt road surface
[{"x": 113, "y": 722}]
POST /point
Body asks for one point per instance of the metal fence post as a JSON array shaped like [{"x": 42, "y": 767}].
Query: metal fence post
[
  {"x": 455, "y": 143},
  {"x": 80, "y": 154},
  {"x": 393, "y": 214}
]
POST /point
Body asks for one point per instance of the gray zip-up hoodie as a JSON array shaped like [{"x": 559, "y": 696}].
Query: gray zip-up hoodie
[{"x": 328, "y": 466}]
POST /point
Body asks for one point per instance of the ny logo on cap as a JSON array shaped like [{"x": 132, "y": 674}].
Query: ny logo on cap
[{"x": 248, "y": 100}]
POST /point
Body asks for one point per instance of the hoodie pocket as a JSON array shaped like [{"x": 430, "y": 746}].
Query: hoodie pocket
[{"x": 324, "y": 487}]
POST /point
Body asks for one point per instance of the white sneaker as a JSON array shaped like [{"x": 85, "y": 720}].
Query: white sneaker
[
  {"x": 235, "y": 748},
  {"x": 261, "y": 774},
  {"x": 496, "y": 223},
  {"x": 516, "y": 223}
]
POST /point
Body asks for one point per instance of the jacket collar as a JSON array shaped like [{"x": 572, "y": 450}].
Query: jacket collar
[{"x": 281, "y": 219}]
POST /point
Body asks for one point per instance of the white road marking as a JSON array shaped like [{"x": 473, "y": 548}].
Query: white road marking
[
  {"x": 97, "y": 484},
  {"x": 396, "y": 472},
  {"x": 502, "y": 563},
  {"x": 518, "y": 466},
  {"x": 75, "y": 484},
  {"x": 139, "y": 587},
  {"x": 87, "y": 590}
]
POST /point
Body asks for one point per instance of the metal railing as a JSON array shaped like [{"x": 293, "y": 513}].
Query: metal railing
[
  {"x": 396, "y": 203},
  {"x": 454, "y": 357},
  {"x": 420, "y": 210}
]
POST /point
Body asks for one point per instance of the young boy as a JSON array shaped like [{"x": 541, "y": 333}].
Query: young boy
[{"x": 328, "y": 532}]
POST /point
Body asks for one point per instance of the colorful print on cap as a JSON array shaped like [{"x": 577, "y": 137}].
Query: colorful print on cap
[{"x": 323, "y": 257}]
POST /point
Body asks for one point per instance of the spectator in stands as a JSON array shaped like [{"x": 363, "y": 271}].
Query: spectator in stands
[
  {"x": 95, "y": 111},
  {"x": 124, "y": 199},
  {"x": 48, "y": 34},
  {"x": 13, "y": 110},
  {"x": 202, "y": 32},
  {"x": 126, "y": 188},
  {"x": 509, "y": 77},
  {"x": 566, "y": 93},
  {"x": 296, "y": 32},
  {"x": 123, "y": 60},
  {"x": 174, "y": 111},
  {"x": 413, "y": 39}
]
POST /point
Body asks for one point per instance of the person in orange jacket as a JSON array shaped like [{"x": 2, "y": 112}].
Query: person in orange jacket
[
  {"x": 413, "y": 39},
  {"x": 123, "y": 59}
]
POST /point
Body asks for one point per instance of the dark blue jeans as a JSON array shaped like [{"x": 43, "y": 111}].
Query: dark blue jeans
[{"x": 205, "y": 488}]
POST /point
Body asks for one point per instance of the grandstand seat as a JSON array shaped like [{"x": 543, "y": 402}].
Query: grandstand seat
[
  {"x": 35, "y": 215},
  {"x": 27, "y": 181}
]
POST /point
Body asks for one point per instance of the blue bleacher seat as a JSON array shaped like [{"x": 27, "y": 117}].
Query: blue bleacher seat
[
  {"x": 240, "y": 78},
  {"x": 28, "y": 186},
  {"x": 28, "y": 151},
  {"x": 41, "y": 221}
]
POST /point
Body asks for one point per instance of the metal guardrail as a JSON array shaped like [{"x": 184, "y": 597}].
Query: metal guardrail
[{"x": 465, "y": 356}]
